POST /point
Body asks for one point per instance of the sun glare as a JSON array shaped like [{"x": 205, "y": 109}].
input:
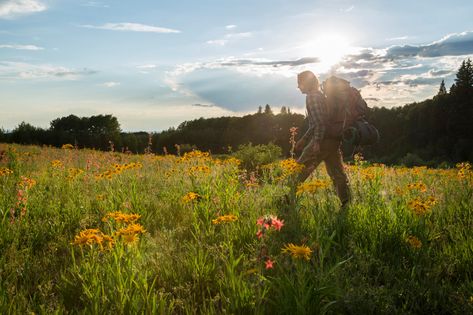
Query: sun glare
[{"x": 329, "y": 48}]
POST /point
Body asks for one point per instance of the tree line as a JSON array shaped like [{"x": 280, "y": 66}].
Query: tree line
[{"x": 434, "y": 131}]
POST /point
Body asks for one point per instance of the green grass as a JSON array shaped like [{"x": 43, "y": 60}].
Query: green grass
[{"x": 360, "y": 263}]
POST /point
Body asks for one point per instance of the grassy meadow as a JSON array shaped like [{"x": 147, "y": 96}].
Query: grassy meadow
[{"x": 94, "y": 232}]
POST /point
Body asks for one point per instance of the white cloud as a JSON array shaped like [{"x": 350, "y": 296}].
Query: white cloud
[
  {"x": 13, "y": 8},
  {"x": 147, "y": 66},
  {"x": 26, "y": 71},
  {"x": 398, "y": 38},
  {"x": 22, "y": 47},
  {"x": 230, "y": 27},
  {"x": 132, "y": 27},
  {"x": 111, "y": 84},
  {"x": 218, "y": 42},
  {"x": 229, "y": 37}
]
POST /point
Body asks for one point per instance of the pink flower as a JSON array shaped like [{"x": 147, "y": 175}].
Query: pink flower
[
  {"x": 269, "y": 264},
  {"x": 259, "y": 234},
  {"x": 260, "y": 221},
  {"x": 277, "y": 224}
]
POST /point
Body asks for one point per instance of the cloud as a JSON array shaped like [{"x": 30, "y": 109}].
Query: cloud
[
  {"x": 132, "y": 27},
  {"x": 275, "y": 63},
  {"x": 26, "y": 71},
  {"x": 230, "y": 27},
  {"x": 397, "y": 38},
  {"x": 229, "y": 37},
  {"x": 202, "y": 105},
  {"x": 147, "y": 66},
  {"x": 111, "y": 84},
  {"x": 10, "y": 9},
  {"x": 451, "y": 45},
  {"x": 22, "y": 47}
]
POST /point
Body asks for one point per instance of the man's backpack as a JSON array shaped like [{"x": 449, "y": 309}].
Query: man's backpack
[{"x": 346, "y": 113}]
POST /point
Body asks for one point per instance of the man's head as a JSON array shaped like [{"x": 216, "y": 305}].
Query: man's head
[{"x": 307, "y": 82}]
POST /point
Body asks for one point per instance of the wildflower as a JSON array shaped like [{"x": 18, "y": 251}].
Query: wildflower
[
  {"x": 225, "y": 219},
  {"x": 268, "y": 222},
  {"x": 5, "y": 171},
  {"x": 121, "y": 217},
  {"x": 232, "y": 161},
  {"x": 368, "y": 173},
  {"x": 67, "y": 146},
  {"x": 134, "y": 228},
  {"x": 290, "y": 167},
  {"x": 463, "y": 169},
  {"x": 277, "y": 224},
  {"x": 414, "y": 242},
  {"x": 88, "y": 237},
  {"x": 74, "y": 172},
  {"x": 311, "y": 187},
  {"x": 56, "y": 163},
  {"x": 269, "y": 264},
  {"x": 198, "y": 169},
  {"x": 191, "y": 196},
  {"x": 419, "y": 186},
  {"x": 421, "y": 207},
  {"x": 129, "y": 238},
  {"x": 297, "y": 251}
]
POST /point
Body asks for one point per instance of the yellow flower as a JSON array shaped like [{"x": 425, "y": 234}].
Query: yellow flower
[
  {"x": 134, "y": 228},
  {"x": 198, "y": 169},
  {"x": 56, "y": 163},
  {"x": 74, "y": 172},
  {"x": 26, "y": 183},
  {"x": 129, "y": 238},
  {"x": 67, "y": 146},
  {"x": 121, "y": 217},
  {"x": 464, "y": 169},
  {"x": 5, "y": 171},
  {"x": 420, "y": 186},
  {"x": 297, "y": 251},
  {"x": 414, "y": 242},
  {"x": 225, "y": 218},
  {"x": 421, "y": 207},
  {"x": 190, "y": 196},
  {"x": 88, "y": 237},
  {"x": 311, "y": 187}
]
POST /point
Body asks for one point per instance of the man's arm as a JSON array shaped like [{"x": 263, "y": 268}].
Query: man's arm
[{"x": 317, "y": 111}]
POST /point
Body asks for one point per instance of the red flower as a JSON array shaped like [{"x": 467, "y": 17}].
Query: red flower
[
  {"x": 278, "y": 224},
  {"x": 259, "y": 234},
  {"x": 269, "y": 264}
]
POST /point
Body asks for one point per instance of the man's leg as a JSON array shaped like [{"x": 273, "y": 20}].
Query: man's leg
[
  {"x": 310, "y": 162},
  {"x": 334, "y": 164}
]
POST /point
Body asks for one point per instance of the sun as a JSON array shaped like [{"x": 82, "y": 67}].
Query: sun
[{"x": 329, "y": 48}]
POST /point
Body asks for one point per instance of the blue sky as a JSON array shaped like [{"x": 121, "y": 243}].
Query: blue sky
[{"x": 154, "y": 64}]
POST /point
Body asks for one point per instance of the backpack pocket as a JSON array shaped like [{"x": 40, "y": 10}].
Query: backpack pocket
[{"x": 361, "y": 132}]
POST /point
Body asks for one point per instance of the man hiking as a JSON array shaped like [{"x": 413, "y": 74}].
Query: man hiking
[{"x": 317, "y": 145}]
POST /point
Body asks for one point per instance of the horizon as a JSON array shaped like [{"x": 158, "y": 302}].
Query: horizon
[{"x": 154, "y": 66}]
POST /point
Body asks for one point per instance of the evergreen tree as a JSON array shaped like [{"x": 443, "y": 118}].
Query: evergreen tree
[
  {"x": 283, "y": 110},
  {"x": 464, "y": 79},
  {"x": 260, "y": 110},
  {"x": 268, "y": 110},
  {"x": 442, "y": 90}
]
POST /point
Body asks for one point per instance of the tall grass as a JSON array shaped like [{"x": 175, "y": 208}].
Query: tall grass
[{"x": 217, "y": 239}]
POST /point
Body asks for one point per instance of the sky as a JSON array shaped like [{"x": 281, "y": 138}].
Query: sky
[{"x": 154, "y": 64}]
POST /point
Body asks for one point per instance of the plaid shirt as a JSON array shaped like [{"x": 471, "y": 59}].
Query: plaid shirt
[{"x": 317, "y": 115}]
